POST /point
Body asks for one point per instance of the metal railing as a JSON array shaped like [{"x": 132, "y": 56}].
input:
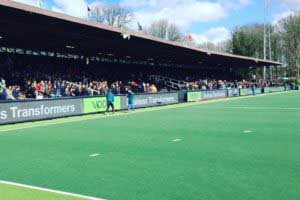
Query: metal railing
[{"x": 169, "y": 82}]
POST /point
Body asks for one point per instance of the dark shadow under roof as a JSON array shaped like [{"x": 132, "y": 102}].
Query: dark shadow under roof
[{"x": 28, "y": 27}]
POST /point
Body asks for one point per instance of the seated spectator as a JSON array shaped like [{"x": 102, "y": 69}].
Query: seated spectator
[
  {"x": 73, "y": 91},
  {"x": 147, "y": 88},
  {"x": 38, "y": 89},
  {"x": 31, "y": 92},
  {"x": 16, "y": 92},
  {"x": 9, "y": 93},
  {"x": 84, "y": 91},
  {"x": 153, "y": 89},
  {"x": 67, "y": 92},
  {"x": 3, "y": 94},
  {"x": 39, "y": 95}
]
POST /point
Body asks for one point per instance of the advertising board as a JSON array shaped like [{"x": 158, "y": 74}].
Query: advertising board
[
  {"x": 214, "y": 94},
  {"x": 98, "y": 104},
  {"x": 12, "y": 112},
  {"x": 194, "y": 96},
  {"x": 148, "y": 100}
]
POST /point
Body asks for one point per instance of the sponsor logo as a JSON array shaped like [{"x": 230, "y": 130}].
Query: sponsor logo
[
  {"x": 36, "y": 110},
  {"x": 277, "y": 89},
  {"x": 233, "y": 92},
  {"x": 98, "y": 104},
  {"x": 155, "y": 99},
  {"x": 243, "y": 92},
  {"x": 214, "y": 94},
  {"x": 266, "y": 90},
  {"x": 194, "y": 96},
  {"x": 15, "y": 112}
]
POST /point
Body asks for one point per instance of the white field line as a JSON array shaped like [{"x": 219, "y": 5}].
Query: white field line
[
  {"x": 49, "y": 190},
  {"x": 94, "y": 155},
  {"x": 247, "y": 131},
  {"x": 177, "y": 140},
  {"x": 136, "y": 112}
]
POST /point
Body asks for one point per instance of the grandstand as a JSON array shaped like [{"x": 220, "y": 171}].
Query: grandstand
[{"x": 197, "y": 132}]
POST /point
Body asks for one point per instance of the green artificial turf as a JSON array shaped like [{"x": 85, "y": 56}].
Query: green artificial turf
[{"x": 138, "y": 159}]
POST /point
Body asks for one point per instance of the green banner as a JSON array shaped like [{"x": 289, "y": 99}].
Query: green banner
[
  {"x": 266, "y": 90},
  {"x": 194, "y": 96},
  {"x": 98, "y": 104},
  {"x": 277, "y": 89},
  {"x": 281, "y": 89},
  {"x": 243, "y": 92}
]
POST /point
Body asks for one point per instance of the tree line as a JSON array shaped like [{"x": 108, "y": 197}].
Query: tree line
[{"x": 283, "y": 37}]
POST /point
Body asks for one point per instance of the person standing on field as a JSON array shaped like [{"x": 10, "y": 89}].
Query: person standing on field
[
  {"x": 253, "y": 89},
  {"x": 130, "y": 97},
  {"x": 110, "y": 101}
]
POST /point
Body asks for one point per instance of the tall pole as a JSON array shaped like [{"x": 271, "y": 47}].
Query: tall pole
[
  {"x": 265, "y": 39},
  {"x": 270, "y": 45}
]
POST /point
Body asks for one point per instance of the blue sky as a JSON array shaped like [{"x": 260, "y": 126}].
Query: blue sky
[{"x": 206, "y": 20}]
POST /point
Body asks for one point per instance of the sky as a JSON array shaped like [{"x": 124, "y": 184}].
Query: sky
[{"x": 205, "y": 20}]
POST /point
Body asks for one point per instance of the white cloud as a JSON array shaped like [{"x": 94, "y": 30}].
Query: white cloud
[
  {"x": 214, "y": 35},
  {"x": 235, "y": 4},
  {"x": 291, "y": 7},
  {"x": 280, "y": 16},
  {"x": 77, "y": 8},
  {"x": 181, "y": 12},
  {"x": 184, "y": 13},
  {"x": 291, "y": 4}
]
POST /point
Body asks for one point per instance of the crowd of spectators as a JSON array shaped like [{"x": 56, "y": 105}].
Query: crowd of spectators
[
  {"x": 10, "y": 92},
  {"x": 62, "y": 88},
  {"x": 207, "y": 84},
  {"x": 40, "y": 78}
]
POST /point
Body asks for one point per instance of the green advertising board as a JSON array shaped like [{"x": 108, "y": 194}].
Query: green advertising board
[
  {"x": 266, "y": 90},
  {"x": 194, "y": 96},
  {"x": 98, "y": 104},
  {"x": 281, "y": 89},
  {"x": 277, "y": 89},
  {"x": 243, "y": 92}
]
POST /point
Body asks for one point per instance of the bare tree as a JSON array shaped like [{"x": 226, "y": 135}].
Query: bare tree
[
  {"x": 209, "y": 46},
  {"x": 174, "y": 33},
  {"x": 96, "y": 14},
  {"x": 113, "y": 15},
  {"x": 164, "y": 30},
  {"x": 158, "y": 29}
]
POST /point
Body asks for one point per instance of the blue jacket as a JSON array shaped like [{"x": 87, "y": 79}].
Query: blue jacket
[
  {"x": 110, "y": 97},
  {"x": 130, "y": 97}
]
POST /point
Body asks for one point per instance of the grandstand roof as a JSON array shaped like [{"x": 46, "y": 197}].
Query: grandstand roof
[{"x": 28, "y": 27}]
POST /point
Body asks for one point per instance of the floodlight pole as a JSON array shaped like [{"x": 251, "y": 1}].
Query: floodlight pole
[
  {"x": 265, "y": 39},
  {"x": 270, "y": 45}
]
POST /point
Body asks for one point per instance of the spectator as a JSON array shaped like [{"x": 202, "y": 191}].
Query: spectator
[
  {"x": 9, "y": 93},
  {"x": 130, "y": 97},
  {"x": 153, "y": 89},
  {"x": 110, "y": 101},
  {"x": 3, "y": 94},
  {"x": 16, "y": 92},
  {"x": 67, "y": 92},
  {"x": 84, "y": 91}
]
